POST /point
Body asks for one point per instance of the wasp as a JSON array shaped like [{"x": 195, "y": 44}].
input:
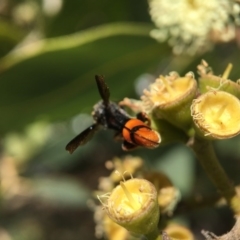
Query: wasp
[{"x": 109, "y": 115}]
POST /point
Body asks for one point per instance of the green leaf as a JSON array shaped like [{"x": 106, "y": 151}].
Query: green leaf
[{"x": 55, "y": 77}]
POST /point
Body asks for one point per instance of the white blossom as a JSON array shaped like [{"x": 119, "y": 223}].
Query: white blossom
[{"x": 193, "y": 25}]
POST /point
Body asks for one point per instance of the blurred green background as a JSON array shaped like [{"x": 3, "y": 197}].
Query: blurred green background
[{"x": 50, "y": 51}]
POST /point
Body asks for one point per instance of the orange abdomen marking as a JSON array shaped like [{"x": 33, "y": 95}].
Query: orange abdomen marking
[{"x": 138, "y": 133}]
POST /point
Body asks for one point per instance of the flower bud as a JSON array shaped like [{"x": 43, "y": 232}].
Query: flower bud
[
  {"x": 114, "y": 231},
  {"x": 170, "y": 98},
  {"x": 120, "y": 168},
  {"x": 178, "y": 232},
  {"x": 209, "y": 81},
  {"x": 133, "y": 205},
  {"x": 168, "y": 195},
  {"x": 216, "y": 115}
]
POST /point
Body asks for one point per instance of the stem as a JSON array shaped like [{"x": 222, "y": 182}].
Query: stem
[{"x": 205, "y": 153}]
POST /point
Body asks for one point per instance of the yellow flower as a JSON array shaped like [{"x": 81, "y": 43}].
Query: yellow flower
[
  {"x": 210, "y": 81},
  {"x": 176, "y": 231},
  {"x": 168, "y": 195},
  {"x": 216, "y": 115},
  {"x": 133, "y": 205},
  {"x": 114, "y": 231},
  {"x": 170, "y": 98}
]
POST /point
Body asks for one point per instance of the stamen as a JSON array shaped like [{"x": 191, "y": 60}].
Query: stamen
[
  {"x": 167, "y": 85},
  {"x": 227, "y": 71},
  {"x": 134, "y": 204},
  {"x": 119, "y": 174},
  {"x": 220, "y": 111}
]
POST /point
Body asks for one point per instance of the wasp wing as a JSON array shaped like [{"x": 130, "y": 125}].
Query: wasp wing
[
  {"x": 103, "y": 89},
  {"x": 82, "y": 138}
]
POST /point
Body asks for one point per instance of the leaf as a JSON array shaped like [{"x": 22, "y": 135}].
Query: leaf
[{"x": 55, "y": 77}]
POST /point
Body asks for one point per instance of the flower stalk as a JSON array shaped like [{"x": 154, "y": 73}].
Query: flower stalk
[{"x": 205, "y": 153}]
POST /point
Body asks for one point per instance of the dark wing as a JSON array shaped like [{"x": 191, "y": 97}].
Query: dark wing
[
  {"x": 82, "y": 138},
  {"x": 103, "y": 89}
]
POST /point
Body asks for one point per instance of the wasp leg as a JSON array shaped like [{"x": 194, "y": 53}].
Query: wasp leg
[
  {"x": 118, "y": 136},
  {"x": 134, "y": 105},
  {"x": 144, "y": 117},
  {"x": 127, "y": 146}
]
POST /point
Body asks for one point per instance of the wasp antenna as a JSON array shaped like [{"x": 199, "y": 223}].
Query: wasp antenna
[{"x": 103, "y": 89}]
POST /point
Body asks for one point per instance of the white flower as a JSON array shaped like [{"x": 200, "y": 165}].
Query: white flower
[{"x": 193, "y": 25}]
